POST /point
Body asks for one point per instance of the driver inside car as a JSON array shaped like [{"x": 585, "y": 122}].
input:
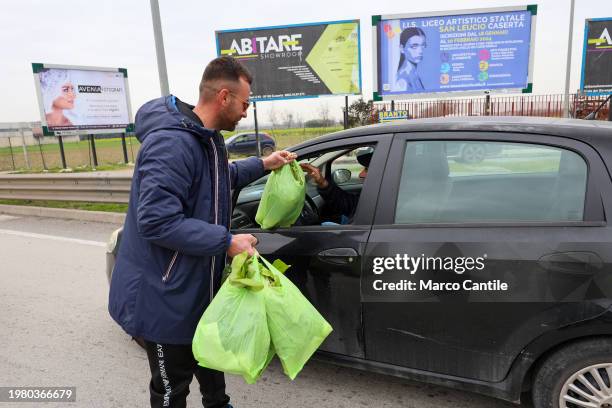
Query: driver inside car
[{"x": 338, "y": 200}]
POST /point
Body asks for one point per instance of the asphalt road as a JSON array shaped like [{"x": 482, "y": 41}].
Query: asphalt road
[{"x": 56, "y": 331}]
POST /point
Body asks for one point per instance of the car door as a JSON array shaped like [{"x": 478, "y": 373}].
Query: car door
[
  {"x": 326, "y": 260},
  {"x": 530, "y": 216}
]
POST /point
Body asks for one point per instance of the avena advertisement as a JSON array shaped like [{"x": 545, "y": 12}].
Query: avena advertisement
[{"x": 82, "y": 99}]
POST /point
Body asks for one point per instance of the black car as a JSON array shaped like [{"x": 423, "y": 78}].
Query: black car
[
  {"x": 492, "y": 276},
  {"x": 246, "y": 144}
]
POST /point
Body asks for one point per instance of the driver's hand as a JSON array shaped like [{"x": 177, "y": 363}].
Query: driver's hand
[
  {"x": 315, "y": 174},
  {"x": 241, "y": 243}
]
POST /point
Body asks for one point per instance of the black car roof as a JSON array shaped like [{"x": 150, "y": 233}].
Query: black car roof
[{"x": 590, "y": 131}]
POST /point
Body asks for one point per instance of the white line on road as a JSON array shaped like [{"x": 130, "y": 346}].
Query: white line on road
[{"x": 52, "y": 237}]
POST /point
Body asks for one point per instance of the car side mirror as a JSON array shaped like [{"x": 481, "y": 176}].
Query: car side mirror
[{"x": 341, "y": 176}]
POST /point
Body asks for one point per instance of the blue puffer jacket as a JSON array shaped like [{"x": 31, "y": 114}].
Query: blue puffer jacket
[{"x": 173, "y": 246}]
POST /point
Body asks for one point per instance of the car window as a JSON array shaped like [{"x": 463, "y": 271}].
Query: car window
[{"x": 468, "y": 181}]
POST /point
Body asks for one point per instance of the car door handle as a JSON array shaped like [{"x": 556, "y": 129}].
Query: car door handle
[
  {"x": 338, "y": 256},
  {"x": 571, "y": 262}
]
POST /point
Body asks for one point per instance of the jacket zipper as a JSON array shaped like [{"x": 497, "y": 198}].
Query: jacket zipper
[
  {"x": 167, "y": 273},
  {"x": 212, "y": 272}
]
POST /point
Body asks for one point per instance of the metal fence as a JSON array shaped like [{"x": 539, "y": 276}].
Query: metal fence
[
  {"x": 32, "y": 155},
  {"x": 526, "y": 105}
]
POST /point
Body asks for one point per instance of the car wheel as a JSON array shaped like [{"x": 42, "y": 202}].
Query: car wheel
[
  {"x": 473, "y": 153},
  {"x": 577, "y": 376},
  {"x": 268, "y": 150}
]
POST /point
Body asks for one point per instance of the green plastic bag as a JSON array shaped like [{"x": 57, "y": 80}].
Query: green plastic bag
[
  {"x": 283, "y": 197},
  {"x": 296, "y": 327},
  {"x": 232, "y": 335},
  {"x": 258, "y": 312}
]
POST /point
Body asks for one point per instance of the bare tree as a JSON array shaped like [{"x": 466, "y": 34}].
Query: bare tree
[
  {"x": 324, "y": 113},
  {"x": 287, "y": 118},
  {"x": 273, "y": 117}
]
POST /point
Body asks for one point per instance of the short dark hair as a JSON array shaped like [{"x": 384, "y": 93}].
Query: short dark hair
[{"x": 225, "y": 68}]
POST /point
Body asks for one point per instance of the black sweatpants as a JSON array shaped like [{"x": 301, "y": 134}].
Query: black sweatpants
[{"x": 172, "y": 369}]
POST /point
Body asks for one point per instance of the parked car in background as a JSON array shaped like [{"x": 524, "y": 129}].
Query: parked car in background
[
  {"x": 246, "y": 144},
  {"x": 532, "y": 214}
]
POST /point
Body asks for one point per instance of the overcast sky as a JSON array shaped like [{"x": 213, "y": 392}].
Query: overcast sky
[{"x": 113, "y": 33}]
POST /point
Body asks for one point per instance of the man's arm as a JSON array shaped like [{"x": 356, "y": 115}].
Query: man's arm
[
  {"x": 243, "y": 172},
  {"x": 338, "y": 200}
]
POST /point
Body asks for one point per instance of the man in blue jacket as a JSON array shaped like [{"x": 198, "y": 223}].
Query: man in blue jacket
[{"x": 176, "y": 234}]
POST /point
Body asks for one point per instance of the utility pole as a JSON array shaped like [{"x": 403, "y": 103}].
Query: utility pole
[
  {"x": 568, "y": 69},
  {"x": 159, "y": 49}
]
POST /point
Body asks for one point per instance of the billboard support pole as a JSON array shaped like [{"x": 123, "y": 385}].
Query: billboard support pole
[
  {"x": 25, "y": 149},
  {"x": 159, "y": 49},
  {"x": 566, "y": 104},
  {"x": 257, "y": 141},
  {"x": 392, "y": 105},
  {"x": 125, "y": 156},
  {"x": 42, "y": 156},
  {"x": 487, "y": 104},
  {"x": 346, "y": 115},
  {"x": 11, "y": 149},
  {"x": 93, "y": 151},
  {"x": 610, "y": 111},
  {"x": 62, "y": 154}
]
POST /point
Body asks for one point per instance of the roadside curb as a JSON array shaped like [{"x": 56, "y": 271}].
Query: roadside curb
[{"x": 67, "y": 214}]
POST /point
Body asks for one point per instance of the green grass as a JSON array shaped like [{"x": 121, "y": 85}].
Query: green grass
[
  {"x": 75, "y": 205},
  {"x": 110, "y": 152}
]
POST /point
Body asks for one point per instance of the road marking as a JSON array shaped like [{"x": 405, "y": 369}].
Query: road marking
[
  {"x": 7, "y": 217},
  {"x": 53, "y": 238}
]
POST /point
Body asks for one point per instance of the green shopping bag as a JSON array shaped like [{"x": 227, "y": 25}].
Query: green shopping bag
[
  {"x": 283, "y": 197},
  {"x": 232, "y": 335},
  {"x": 296, "y": 327}
]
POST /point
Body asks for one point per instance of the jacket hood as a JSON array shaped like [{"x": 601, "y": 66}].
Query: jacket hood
[{"x": 162, "y": 113}]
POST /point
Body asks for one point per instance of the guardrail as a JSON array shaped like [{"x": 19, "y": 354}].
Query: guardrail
[{"x": 99, "y": 189}]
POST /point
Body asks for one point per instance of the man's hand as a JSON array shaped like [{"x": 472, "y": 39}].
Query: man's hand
[
  {"x": 241, "y": 243},
  {"x": 278, "y": 159},
  {"x": 314, "y": 173}
]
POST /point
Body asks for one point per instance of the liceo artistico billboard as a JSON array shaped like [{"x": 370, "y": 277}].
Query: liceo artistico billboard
[
  {"x": 454, "y": 52},
  {"x": 298, "y": 61}
]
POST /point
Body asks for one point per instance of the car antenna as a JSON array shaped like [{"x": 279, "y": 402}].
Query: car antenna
[{"x": 591, "y": 116}]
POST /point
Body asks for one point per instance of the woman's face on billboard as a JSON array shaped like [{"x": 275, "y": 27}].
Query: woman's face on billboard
[
  {"x": 413, "y": 49},
  {"x": 65, "y": 100}
]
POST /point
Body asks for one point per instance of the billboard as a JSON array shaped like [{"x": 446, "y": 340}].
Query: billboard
[
  {"x": 82, "y": 100},
  {"x": 298, "y": 61},
  {"x": 597, "y": 57},
  {"x": 458, "y": 52}
]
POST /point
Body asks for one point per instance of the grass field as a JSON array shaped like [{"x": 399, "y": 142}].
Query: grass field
[{"x": 110, "y": 154}]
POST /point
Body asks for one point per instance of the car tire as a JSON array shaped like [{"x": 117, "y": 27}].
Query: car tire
[
  {"x": 473, "y": 153},
  {"x": 268, "y": 150},
  {"x": 582, "y": 365}
]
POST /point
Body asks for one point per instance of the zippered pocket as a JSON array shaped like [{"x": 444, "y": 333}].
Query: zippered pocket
[{"x": 166, "y": 275}]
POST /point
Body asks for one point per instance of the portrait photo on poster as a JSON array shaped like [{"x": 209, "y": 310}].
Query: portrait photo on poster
[{"x": 59, "y": 97}]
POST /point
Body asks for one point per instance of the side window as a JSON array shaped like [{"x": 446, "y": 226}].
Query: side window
[
  {"x": 250, "y": 138},
  {"x": 468, "y": 181}
]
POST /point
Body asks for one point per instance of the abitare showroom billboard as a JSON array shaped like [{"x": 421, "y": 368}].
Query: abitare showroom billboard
[
  {"x": 597, "y": 57},
  {"x": 298, "y": 61},
  {"x": 82, "y": 100},
  {"x": 455, "y": 52}
]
